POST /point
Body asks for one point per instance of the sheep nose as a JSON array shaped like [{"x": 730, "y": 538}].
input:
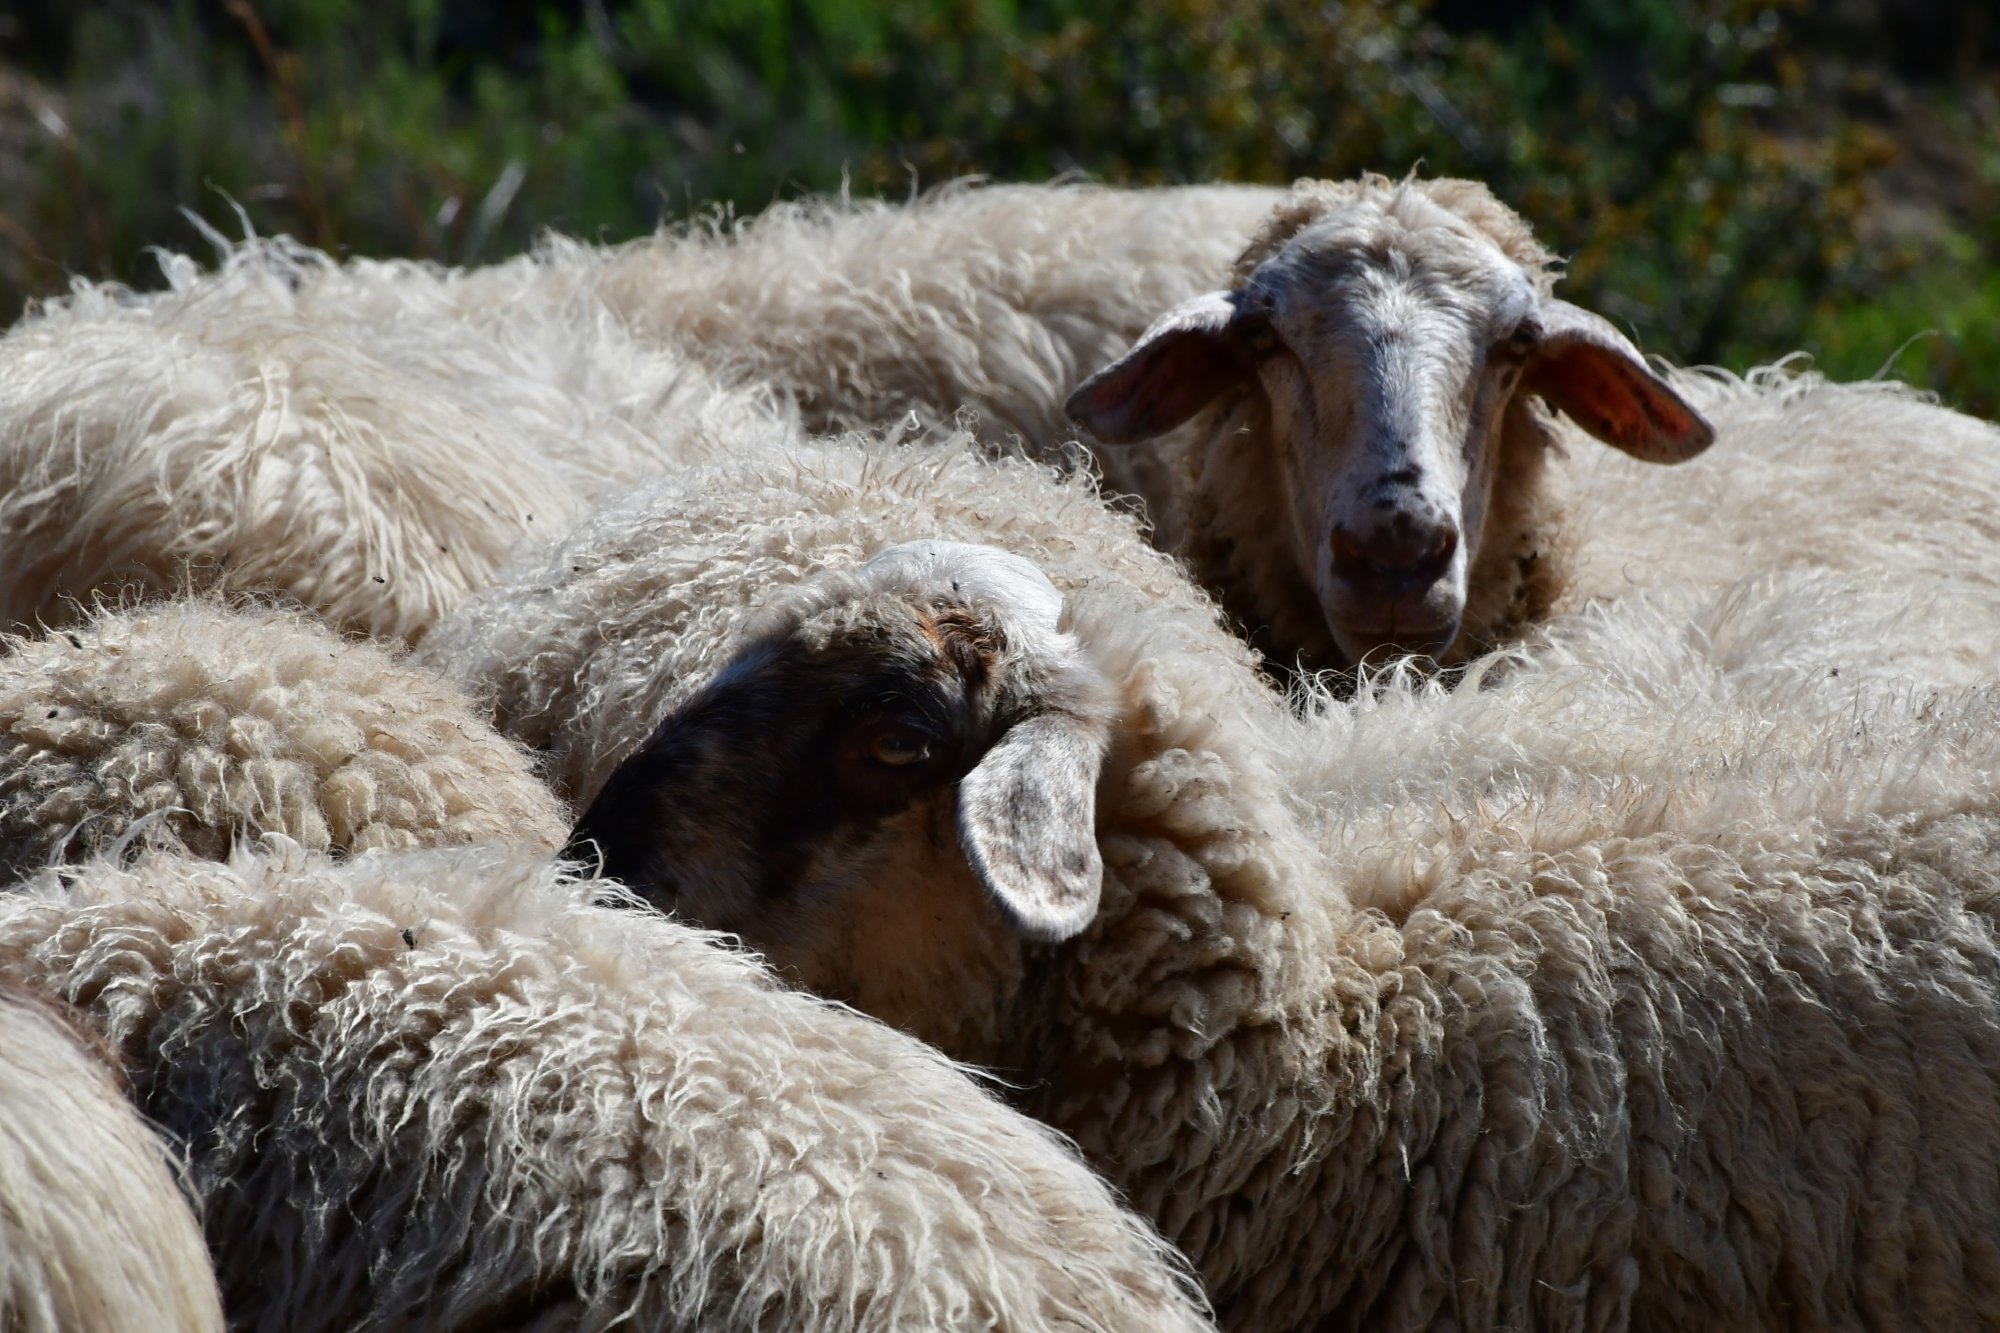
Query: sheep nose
[{"x": 1399, "y": 556}]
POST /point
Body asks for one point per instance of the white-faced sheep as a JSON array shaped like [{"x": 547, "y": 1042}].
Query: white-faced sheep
[
  {"x": 1681, "y": 1006},
  {"x": 95, "y": 1233},
  {"x": 1354, "y": 434},
  {"x": 192, "y": 726},
  {"x": 447, "y": 1090},
  {"x": 367, "y": 438}
]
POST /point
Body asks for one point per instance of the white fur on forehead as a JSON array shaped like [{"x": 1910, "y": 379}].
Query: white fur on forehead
[
  {"x": 984, "y": 573},
  {"x": 1408, "y": 202}
]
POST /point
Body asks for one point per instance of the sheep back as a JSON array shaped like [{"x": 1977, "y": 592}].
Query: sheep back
[
  {"x": 94, "y": 1230},
  {"x": 1870, "y": 480},
  {"x": 1659, "y": 952},
  {"x": 998, "y": 297},
  {"x": 446, "y": 1090},
  {"x": 194, "y": 726},
  {"x": 368, "y": 439}
]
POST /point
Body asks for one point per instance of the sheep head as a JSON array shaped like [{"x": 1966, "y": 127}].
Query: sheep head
[
  {"x": 898, "y": 752},
  {"x": 1376, "y": 340}
]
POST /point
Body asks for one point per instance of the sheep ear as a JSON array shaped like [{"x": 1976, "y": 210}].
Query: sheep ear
[
  {"x": 1177, "y": 367},
  {"x": 1588, "y": 371},
  {"x": 1027, "y": 815}
]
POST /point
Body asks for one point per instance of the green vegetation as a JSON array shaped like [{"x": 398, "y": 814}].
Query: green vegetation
[{"x": 1732, "y": 179}]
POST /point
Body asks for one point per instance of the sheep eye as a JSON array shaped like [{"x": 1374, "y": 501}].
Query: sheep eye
[
  {"x": 899, "y": 747},
  {"x": 1258, "y": 335},
  {"x": 1523, "y": 339}
]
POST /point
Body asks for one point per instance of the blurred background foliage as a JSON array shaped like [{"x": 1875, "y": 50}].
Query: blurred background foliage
[{"x": 1731, "y": 179}]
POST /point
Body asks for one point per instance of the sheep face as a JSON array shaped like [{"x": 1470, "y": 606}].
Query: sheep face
[
  {"x": 1372, "y": 358},
  {"x": 892, "y": 782}
]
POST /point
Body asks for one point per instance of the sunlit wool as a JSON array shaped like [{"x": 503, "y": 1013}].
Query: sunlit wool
[
  {"x": 192, "y": 726},
  {"x": 94, "y": 1230},
  {"x": 367, "y": 438},
  {"x": 1651, "y": 978},
  {"x": 449, "y": 1090},
  {"x": 999, "y": 298},
  {"x": 1873, "y": 480}
]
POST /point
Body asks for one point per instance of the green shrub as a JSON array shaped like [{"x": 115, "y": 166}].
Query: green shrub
[{"x": 1711, "y": 168}]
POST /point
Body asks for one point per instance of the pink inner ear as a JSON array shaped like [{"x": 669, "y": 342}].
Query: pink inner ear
[{"x": 1619, "y": 402}]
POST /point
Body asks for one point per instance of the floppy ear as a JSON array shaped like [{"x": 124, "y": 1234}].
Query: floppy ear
[
  {"x": 1177, "y": 367},
  {"x": 1027, "y": 815},
  {"x": 1588, "y": 371}
]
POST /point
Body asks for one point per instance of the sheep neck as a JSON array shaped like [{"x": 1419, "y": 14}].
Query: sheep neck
[{"x": 1231, "y": 1025}]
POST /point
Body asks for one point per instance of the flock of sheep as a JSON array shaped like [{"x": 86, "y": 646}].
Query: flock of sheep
[{"x": 1247, "y": 812}]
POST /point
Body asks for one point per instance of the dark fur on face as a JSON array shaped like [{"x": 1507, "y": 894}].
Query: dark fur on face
[
  {"x": 823, "y": 734},
  {"x": 875, "y": 752}
]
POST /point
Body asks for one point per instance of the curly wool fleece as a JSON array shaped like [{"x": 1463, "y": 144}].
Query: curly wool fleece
[
  {"x": 1872, "y": 480},
  {"x": 367, "y": 438},
  {"x": 192, "y": 726},
  {"x": 95, "y": 1233},
  {"x": 446, "y": 1090},
  {"x": 997, "y": 298},
  {"x": 1649, "y": 980}
]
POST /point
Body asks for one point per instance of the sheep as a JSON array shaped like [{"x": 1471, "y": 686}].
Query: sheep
[
  {"x": 368, "y": 438},
  {"x": 536, "y": 644},
  {"x": 1649, "y": 979},
  {"x": 447, "y": 1090},
  {"x": 371, "y": 438},
  {"x": 194, "y": 726},
  {"x": 94, "y": 1231},
  {"x": 1354, "y": 434}
]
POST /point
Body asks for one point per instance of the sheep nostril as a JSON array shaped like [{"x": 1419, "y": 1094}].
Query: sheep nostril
[
  {"x": 1404, "y": 554},
  {"x": 1433, "y": 563},
  {"x": 1348, "y": 555}
]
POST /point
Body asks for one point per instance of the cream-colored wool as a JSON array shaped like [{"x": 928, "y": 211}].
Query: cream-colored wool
[
  {"x": 94, "y": 1231},
  {"x": 192, "y": 726},
  {"x": 446, "y": 1090},
  {"x": 1869, "y": 479},
  {"x": 996, "y": 297},
  {"x": 585, "y": 642},
  {"x": 1650, "y": 979},
  {"x": 366, "y": 438}
]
